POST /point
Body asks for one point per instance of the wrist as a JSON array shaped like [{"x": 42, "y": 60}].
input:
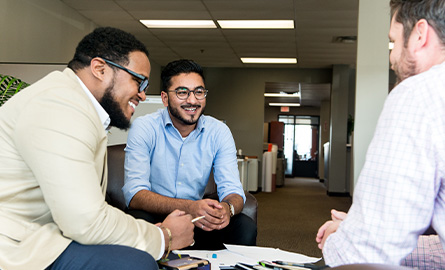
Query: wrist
[
  {"x": 191, "y": 207},
  {"x": 167, "y": 239},
  {"x": 231, "y": 208}
]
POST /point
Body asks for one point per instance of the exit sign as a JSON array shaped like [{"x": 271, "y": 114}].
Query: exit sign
[{"x": 284, "y": 109}]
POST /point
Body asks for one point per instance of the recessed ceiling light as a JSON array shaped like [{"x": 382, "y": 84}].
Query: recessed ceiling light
[
  {"x": 285, "y": 95},
  {"x": 178, "y": 23},
  {"x": 285, "y": 104},
  {"x": 256, "y": 24},
  {"x": 249, "y": 60}
]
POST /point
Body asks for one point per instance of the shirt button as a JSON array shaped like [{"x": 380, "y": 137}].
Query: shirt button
[
  {"x": 179, "y": 183},
  {"x": 182, "y": 164}
]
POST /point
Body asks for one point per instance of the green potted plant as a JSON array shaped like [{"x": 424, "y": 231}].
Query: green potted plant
[{"x": 9, "y": 86}]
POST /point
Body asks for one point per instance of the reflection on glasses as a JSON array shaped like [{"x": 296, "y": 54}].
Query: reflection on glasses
[
  {"x": 184, "y": 92},
  {"x": 143, "y": 85}
]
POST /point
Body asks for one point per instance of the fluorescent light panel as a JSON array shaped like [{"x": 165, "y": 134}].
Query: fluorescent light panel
[
  {"x": 248, "y": 60},
  {"x": 178, "y": 23},
  {"x": 256, "y": 24},
  {"x": 285, "y": 95},
  {"x": 285, "y": 104}
]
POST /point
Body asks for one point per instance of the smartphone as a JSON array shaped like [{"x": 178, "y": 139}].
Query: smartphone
[{"x": 184, "y": 264}]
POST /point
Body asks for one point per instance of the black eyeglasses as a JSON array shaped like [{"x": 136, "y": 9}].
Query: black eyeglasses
[
  {"x": 143, "y": 85},
  {"x": 183, "y": 92}
]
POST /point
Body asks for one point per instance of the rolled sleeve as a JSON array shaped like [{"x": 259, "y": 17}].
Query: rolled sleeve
[
  {"x": 137, "y": 161},
  {"x": 225, "y": 165}
]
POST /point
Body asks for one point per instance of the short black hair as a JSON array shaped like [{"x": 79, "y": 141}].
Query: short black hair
[
  {"x": 408, "y": 12},
  {"x": 106, "y": 42},
  {"x": 177, "y": 67}
]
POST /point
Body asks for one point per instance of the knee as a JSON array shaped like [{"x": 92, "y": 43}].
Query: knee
[
  {"x": 251, "y": 233},
  {"x": 246, "y": 230},
  {"x": 141, "y": 260},
  {"x": 245, "y": 223},
  {"x": 78, "y": 256}
]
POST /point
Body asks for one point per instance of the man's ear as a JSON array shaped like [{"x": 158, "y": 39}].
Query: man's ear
[
  {"x": 97, "y": 67},
  {"x": 164, "y": 97},
  {"x": 420, "y": 34}
]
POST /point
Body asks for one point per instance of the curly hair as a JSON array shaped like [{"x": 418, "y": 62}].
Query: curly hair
[
  {"x": 106, "y": 42},
  {"x": 408, "y": 12}
]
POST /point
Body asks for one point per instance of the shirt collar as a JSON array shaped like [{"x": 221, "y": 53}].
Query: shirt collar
[{"x": 103, "y": 115}]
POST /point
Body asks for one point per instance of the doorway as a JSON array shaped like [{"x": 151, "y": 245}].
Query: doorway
[{"x": 301, "y": 145}]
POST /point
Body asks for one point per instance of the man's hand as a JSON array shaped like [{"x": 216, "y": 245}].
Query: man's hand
[
  {"x": 217, "y": 215},
  {"x": 338, "y": 215},
  {"x": 181, "y": 229},
  {"x": 329, "y": 227}
]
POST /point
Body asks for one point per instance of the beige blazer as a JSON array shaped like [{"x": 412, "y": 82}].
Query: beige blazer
[{"x": 53, "y": 177}]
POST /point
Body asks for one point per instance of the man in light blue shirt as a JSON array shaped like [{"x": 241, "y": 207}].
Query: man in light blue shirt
[{"x": 170, "y": 155}]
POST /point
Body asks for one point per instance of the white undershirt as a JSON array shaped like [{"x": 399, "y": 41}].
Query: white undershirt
[{"x": 103, "y": 115}]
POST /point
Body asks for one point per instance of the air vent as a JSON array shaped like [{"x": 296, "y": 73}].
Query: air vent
[{"x": 345, "y": 39}]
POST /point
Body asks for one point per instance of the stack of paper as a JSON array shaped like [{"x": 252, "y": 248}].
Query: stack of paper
[{"x": 246, "y": 254}]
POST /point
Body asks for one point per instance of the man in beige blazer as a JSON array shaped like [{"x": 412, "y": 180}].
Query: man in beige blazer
[{"x": 53, "y": 170}]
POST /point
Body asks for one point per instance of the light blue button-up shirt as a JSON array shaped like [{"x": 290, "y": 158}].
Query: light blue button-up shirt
[{"x": 158, "y": 159}]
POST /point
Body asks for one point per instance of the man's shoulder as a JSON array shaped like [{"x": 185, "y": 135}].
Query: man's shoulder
[
  {"x": 57, "y": 78},
  {"x": 63, "y": 87},
  {"x": 432, "y": 75}
]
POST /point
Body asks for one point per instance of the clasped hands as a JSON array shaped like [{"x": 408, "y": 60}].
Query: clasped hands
[
  {"x": 217, "y": 215},
  {"x": 329, "y": 227}
]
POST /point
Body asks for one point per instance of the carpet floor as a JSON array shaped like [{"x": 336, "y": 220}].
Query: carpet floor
[{"x": 289, "y": 218}]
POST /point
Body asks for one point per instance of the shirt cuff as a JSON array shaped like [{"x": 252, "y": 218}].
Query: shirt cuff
[{"x": 162, "y": 244}]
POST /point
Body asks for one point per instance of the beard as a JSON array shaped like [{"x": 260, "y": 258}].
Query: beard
[
  {"x": 112, "y": 107},
  {"x": 405, "y": 68},
  {"x": 175, "y": 113}
]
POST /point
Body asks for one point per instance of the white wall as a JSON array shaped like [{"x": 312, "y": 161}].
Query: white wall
[
  {"x": 372, "y": 74},
  {"x": 29, "y": 73},
  {"x": 40, "y": 31}
]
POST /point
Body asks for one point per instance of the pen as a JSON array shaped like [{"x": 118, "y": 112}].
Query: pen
[
  {"x": 305, "y": 265},
  {"x": 198, "y": 218},
  {"x": 243, "y": 266},
  {"x": 274, "y": 266}
]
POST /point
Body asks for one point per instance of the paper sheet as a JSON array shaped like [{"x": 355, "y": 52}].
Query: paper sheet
[
  {"x": 271, "y": 254},
  {"x": 246, "y": 254}
]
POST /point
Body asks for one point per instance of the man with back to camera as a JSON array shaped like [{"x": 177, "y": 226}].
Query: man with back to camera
[
  {"x": 170, "y": 155},
  {"x": 53, "y": 170},
  {"x": 401, "y": 189}
]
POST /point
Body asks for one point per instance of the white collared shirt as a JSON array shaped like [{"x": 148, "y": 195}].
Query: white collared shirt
[{"x": 103, "y": 115}]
